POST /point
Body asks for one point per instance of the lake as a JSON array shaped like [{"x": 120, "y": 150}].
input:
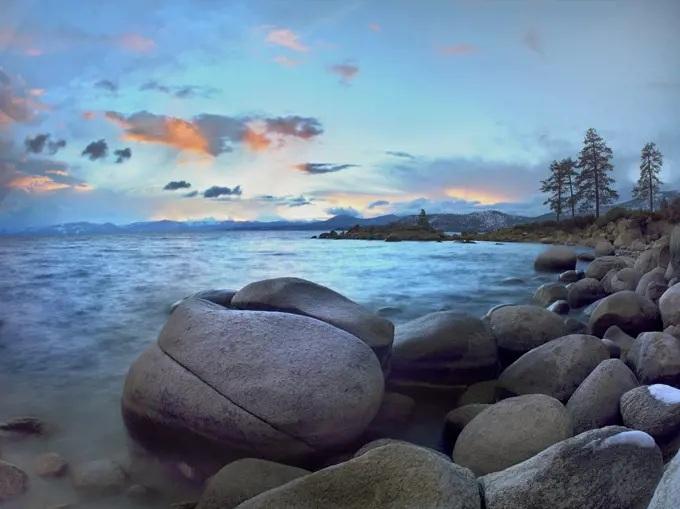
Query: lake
[{"x": 76, "y": 311}]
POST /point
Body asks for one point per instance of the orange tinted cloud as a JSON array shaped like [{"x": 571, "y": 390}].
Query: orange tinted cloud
[
  {"x": 285, "y": 61},
  {"x": 36, "y": 183},
  {"x": 88, "y": 115},
  {"x": 346, "y": 72},
  {"x": 255, "y": 140},
  {"x": 17, "y": 104},
  {"x": 175, "y": 132},
  {"x": 136, "y": 43},
  {"x": 287, "y": 38},
  {"x": 83, "y": 187},
  {"x": 457, "y": 49},
  {"x": 374, "y": 27},
  {"x": 483, "y": 197},
  {"x": 36, "y": 92},
  {"x": 61, "y": 173}
]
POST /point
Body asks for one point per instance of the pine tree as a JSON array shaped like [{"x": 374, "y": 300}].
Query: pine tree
[
  {"x": 593, "y": 183},
  {"x": 555, "y": 185},
  {"x": 423, "y": 221},
  {"x": 569, "y": 175},
  {"x": 648, "y": 183}
]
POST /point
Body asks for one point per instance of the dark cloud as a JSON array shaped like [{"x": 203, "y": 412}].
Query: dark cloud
[
  {"x": 122, "y": 155},
  {"x": 217, "y": 191},
  {"x": 177, "y": 184},
  {"x": 18, "y": 105},
  {"x": 347, "y": 72},
  {"x": 38, "y": 143},
  {"x": 192, "y": 194},
  {"x": 533, "y": 40},
  {"x": 404, "y": 155},
  {"x": 107, "y": 85},
  {"x": 343, "y": 211},
  {"x": 379, "y": 203},
  {"x": 321, "y": 168},
  {"x": 96, "y": 150},
  {"x": 287, "y": 201},
  {"x": 305, "y": 128},
  {"x": 183, "y": 92}
]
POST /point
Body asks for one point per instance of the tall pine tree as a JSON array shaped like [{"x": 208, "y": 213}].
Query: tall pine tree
[
  {"x": 555, "y": 186},
  {"x": 593, "y": 183},
  {"x": 650, "y": 166},
  {"x": 569, "y": 176}
]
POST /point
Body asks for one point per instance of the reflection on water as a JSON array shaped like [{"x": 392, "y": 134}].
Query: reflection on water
[{"x": 76, "y": 311}]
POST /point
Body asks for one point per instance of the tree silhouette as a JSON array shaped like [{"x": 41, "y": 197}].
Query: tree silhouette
[
  {"x": 648, "y": 184},
  {"x": 423, "y": 221},
  {"x": 554, "y": 185},
  {"x": 593, "y": 183},
  {"x": 569, "y": 174}
]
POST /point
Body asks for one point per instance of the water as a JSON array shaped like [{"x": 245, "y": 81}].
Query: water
[{"x": 76, "y": 311}]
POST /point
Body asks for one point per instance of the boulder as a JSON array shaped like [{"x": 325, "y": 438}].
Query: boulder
[
  {"x": 655, "y": 275},
  {"x": 571, "y": 276},
  {"x": 456, "y": 420},
  {"x": 575, "y": 326},
  {"x": 302, "y": 297},
  {"x": 560, "y": 307},
  {"x": 382, "y": 442},
  {"x": 674, "y": 251},
  {"x": 654, "y": 357},
  {"x": 655, "y": 291},
  {"x": 556, "y": 259},
  {"x": 444, "y": 348},
  {"x": 590, "y": 309},
  {"x": 244, "y": 479},
  {"x": 656, "y": 257},
  {"x": 219, "y": 297},
  {"x": 396, "y": 476},
  {"x": 673, "y": 330},
  {"x": 24, "y": 426},
  {"x": 512, "y": 281},
  {"x": 556, "y": 368},
  {"x": 669, "y": 306},
  {"x": 627, "y": 237},
  {"x": 632, "y": 312},
  {"x": 638, "y": 245},
  {"x": 13, "y": 482},
  {"x": 549, "y": 293},
  {"x": 611, "y": 467},
  {"x": 599, "y": 267},
  {"x": 100, "y": 477},
  {"x": 584, "y": 292},
  {"x": 586, "y": 257},
  {"x": 482, "y": 392},
  {"x": 518, "y": 329},
  {"x": 607, "y": 281},
  {"x": 50, "y": 465},
  {"x": 623, "y": 341},
  {"x": 626, "y": 279},
  {"x": 654, "y": 409},
  {"x": 667, "y": 494},
  {"x": 228, "y": 384},
  {"x": 510, "y": 432},
  {"x": 595, "y": 404},
  {"x": 604, "y": 248}
]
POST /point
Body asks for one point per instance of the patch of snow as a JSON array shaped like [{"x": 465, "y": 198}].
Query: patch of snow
[
  {"x": 637, "y": 438},
  {"x": 665, "y": 394}
]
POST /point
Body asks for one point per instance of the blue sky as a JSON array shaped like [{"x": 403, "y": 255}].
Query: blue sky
[{"x": 300, "y": 109}]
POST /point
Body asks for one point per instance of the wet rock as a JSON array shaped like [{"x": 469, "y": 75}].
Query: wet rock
[
  {"x": 667, "y": 494},
  {"x": 669, "y": 306},
  {"x": 654, "y": 409},
  {"x": 219, "y": 297},
  {"x": 101, "y": 477},
  {"x": 586, "y": 257},
  {"x": 556, "y": 259},
  {"x": 395, "y": 476},
  {"x": 560, "y": 307},
  {"x": 571, "y": 276},
  {"x": 13, "y": 482},
  {"x": 584, "y": 292},
  {"x": 24, "y": 426},
  {"x": 50, "y": 465},
  {"x": 375, "y": 444},
  {"x": 655, "y": 291},
  {"x": 512, "y": 281},
  {"x": 623, "y": 341},
  {"x": 456, "y": 420},
  {"x": 299, "y": 296},
  {"x": 444, "y": 348},
  {"x": 654, "y": 357},
  {"x": 604, "y": 248},
  {"x": 595, "y": 404},
  {"x": 626, "y": 279},
  {"x": 549, "y": 293},
  {"x": 518, "y": 329},
  {"x": 656, "y": 275},
  {"x": 482, "y": 392},
  {"x": 603, "y": 264},
  {"x": 389, "y": 311},
  {"x": 510, "y": 432},
  {"x": 603, "y": 468},
  {"x": 244, "y": 479},
  {"x": 233, "y": 384},
  {"x": 556, "y": 368},
  {"x": 575, "y": 326},
  {"x": 633, "y": 313}
]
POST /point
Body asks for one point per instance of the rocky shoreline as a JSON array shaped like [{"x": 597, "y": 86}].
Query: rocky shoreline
[{"x": 287, "y": 394}]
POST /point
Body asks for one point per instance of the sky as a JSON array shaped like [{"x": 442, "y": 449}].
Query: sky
[{"x": 131, "y": 110}]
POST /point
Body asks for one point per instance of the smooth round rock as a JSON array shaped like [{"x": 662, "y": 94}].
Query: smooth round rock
[
  {"x": 50, "y": 465},
  {"x": 549, "y": 293},
  {"x": 669, "y": 306},
  {"x": 13, "y": 482},
  {"x": 599, "y": 267},
  {"x": 584, "y": 292},
  {"x": 556, "y": 259},
  {"x": 654, "y": 409},
  {"x": 654, "y": 357},
  {"x": 456, "y": 420},
  {"x": 630, "y": 311}
]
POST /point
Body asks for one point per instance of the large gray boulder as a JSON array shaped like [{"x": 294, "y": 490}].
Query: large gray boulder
[
  {"x": 626, "y": 279},
  {"x": 614, "y": 335},
  {"x": 518, "y": 329},
  {"x": 237, "y": 384},
  {"x": 584, "y": 292},
  {"x": 611, "y": 467},
  {"x": 244, "y": 479},
  {"x": 667, "y": 494},
  {"x": 302, "y": 297},
  {"x": 13, "y": 482},
  {"x": 657, "y": 256},
  {"x": 571, "y": 276},
  {"x": 220, "y": 297},
  {"x": 607, "y": 281},
  {"x": 599, "y": 267},
  {"x": 444, "y": 348},
  {"x": 654, "y": 357},
  {"x": 655, "y": 291},
  {"x": 510, "y": 432},
  {"x": 632, "y": 312},
  {"x": 550, "y": 292},
  {"x": 595, "y": 404},
  {"x": 604, "y": 248},
  {"x": 556, "y": 259},
  {"x": 382, "y": 442},
  {"x": 396, "y": 476},
  {"x": 674, "y": 251},
  {"x": 669, "y": 306},
  {"x": 654, "y": 409},
  {"x": 656, "y": 275},
  {"x": 556, "y": 368},
  {"x": 456, "y": 420}
]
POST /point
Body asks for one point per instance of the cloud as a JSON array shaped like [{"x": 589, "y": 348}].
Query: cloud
[
  {"x": 321, "y": 168},
  {"x": 285, "y": 61},
  {"x": 96, "y": 150},
  {"x": 285, "y": 37},
  {"x": 17, "y": 104},
  {"x": 405, "y": 155},
  {"x": 180, "y": 92},
  {"x": 379, "y": 203},
  {"x": 347, "y": 72},
  {"x": 212, "y": 135},
  {"x": 177, "y": 184},
  {"x": 533, "y": 40},
  {"x": 122, "y": 155},
  {"x": 38, "y": 143},
  {"x": 192, "y": 194},
  {"x": 88, "y": 115},
  {"x": 343, "y": 211},
  {"x": 107, "y": 85},
  {"x": 217, "y": 191},
  {"x": 291, "y": 201},
  {"x": 374, "y": 27},
  {"x": 456, "y": 49}
]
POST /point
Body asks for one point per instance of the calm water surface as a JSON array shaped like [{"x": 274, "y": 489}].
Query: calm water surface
[{"x": 76, "y": 311}]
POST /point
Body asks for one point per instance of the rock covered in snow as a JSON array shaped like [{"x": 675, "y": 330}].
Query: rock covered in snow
[{"x": 654, "y": 409}]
